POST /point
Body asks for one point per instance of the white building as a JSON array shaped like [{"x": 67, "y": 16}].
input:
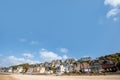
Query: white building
[
  {"x": 60, "y": 69},
  {"x": 19, "y": 69},
  {"x": 42, "y": 70},
  {"x": 10, "y": 69}
]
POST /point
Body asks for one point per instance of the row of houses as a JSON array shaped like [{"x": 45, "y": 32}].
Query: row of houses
[{"x": 84, "y": 65}]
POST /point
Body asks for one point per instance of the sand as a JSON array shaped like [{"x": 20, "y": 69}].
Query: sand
[
  {"x": 6, "y": 77},
  {"x": 51, "y": 77}
]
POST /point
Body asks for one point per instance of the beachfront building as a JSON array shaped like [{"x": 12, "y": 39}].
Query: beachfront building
[
  {"x": 30, "y": 70},
  {"x": 67, "y": 67},
  {"x": 85, "y": 67},
  {"x": 76, "y": 66},
  {"x": 19, "y": 69},
  {"x": 109, "y": 66},
  {"x": 42, "y": 70},
  {"x": 4, "y": 69},
  {"x": 68, "y": 64},
  {"x": 85, "y": 64},
  {"x": 95, "y": 66},
  {"x": 58, "y": 63},
  {"x": 118, "y": 66},
  {"x": 10, "y": 69},
  {"x": 38, "y": 69},
  {"x": 60, "y": 69},
  {"x": 48, "y": 70}
]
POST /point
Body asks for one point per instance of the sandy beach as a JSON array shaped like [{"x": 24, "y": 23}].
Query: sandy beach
[
  {"x": 6, "y": 77},
  {"x": 51, "y": 77}
]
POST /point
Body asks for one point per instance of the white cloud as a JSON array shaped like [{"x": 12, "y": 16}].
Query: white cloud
[
  {"x": 113, "y": 12},
  {"x": 64, "y": 50},
  {"x": 23, "y": 40},
  {"x": 113, "y": 3},
  {"x": 49, "y": 55},
  {"x": 27, "y": 55},
  {"x": 34, "y": 42},
  {"x": 12, "y": 60},
  {"x": 115, "y": 8}
]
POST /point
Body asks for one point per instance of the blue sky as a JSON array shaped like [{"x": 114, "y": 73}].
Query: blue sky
[{"x": 40, "y": 30}]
